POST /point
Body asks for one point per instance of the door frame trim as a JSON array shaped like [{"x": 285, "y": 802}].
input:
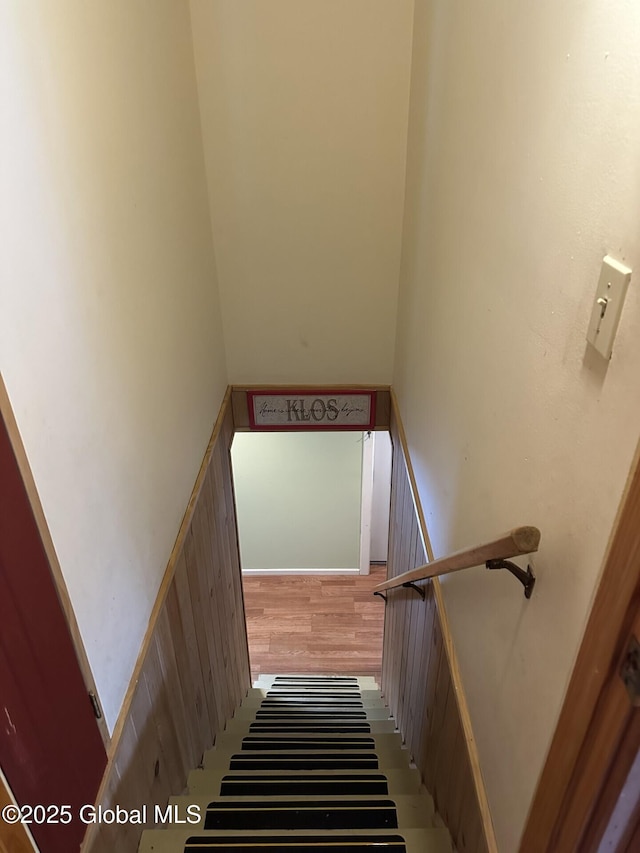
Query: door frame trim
[
  {"x": 6, "y": 411},
  {"x": 18, "y": 834},
  {"x": 366, "y": 502},
  {"x": 603, "y": 643}
]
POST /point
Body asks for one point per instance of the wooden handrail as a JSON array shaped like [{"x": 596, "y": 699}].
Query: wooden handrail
[{"x": 522, "y": 540}]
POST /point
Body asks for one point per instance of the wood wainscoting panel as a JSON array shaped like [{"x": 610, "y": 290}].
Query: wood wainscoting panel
[
  {"x": 420, "y": 678},
  {"x": 193, "y": 669}
]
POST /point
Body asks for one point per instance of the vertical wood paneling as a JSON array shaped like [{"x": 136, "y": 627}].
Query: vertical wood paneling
[
  {"x": 417, "y": 677},
  {"x": 193, "y": 670}
]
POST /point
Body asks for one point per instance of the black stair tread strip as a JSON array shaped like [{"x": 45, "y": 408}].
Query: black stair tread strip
[
  {"x": 300, "y": 844},
  {"x": 320, "y": 719},
  {"x": 313, "y": 805},
  {"x": 310, "y": 739},
  {"x": 311, "y": 724},
  {"x": 274, "y": 745},
  {"x": 320, "y": 716},
  {"x": 329, "y": 719},
  {"x": 307, "y": 685},
  {"x": 361, "y": 739},
  {"x": 323, "y": 728},
  {"x": 306, "y": 718},
  {"x": 308, "y": 699},
  {"x": 304, "y": 761},
  {"x": 270, "y": 705},
  {"x": 321, "y": 711},
  {"x": 245, "y": 786},
  {"x": 314, "y": 691},
  {"x": 340, "y": 690},
  {"x": 316, "y": 679},
  {"x": 286, "y": 711},
  {"x": 294, "y": 839},
  {"x": 266, "y": 755},
  {"x": 312, "y": 753},
  {"x": 281, "y": 815},
  {"x": 346, "y": 776},
  {"x": 310, "y": 788},
  {"x": 311, "y": 702},
  {"x": 337, "y": 719},
  {"x": 300, "y": 702},
  {"x": 304, "y": 706},
  {"x": 299, "y": 699},
  {"x": 310, "y": 707},
  {"x": 317, "y": 685},
  {"x": 320, "y": 677},
  {"x": 312, "y": 685},
  {"x": 297, "y": 722},
  {"x": 307, "y": 764},
  {"x": 307, "y": 679}
]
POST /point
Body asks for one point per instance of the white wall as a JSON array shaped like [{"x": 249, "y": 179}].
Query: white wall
[
  {"x": 110, "y": 334},
  {"x": 304, "y": 111},
  {"x": 523, "y": 171},
  {"x": 298, "y": 496}
]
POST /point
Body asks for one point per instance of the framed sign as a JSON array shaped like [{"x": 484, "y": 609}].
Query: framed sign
[{"x": 310, "y": 410}]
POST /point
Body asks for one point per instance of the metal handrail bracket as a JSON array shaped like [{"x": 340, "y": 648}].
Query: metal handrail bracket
[{"x": 494, "y": 555}]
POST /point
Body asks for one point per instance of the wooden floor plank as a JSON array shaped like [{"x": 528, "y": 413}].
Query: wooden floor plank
[{"x": 319, "y": 623}]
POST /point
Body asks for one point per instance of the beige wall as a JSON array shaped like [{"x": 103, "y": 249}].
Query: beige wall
[
  {"x": 304, "y": 112},
  {"x": 298, "y": 496},
  {"x": 523, "y": 172},
  {"x": 110, "y": 336}
]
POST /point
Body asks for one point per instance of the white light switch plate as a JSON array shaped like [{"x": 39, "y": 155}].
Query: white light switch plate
[{"x": 607, "y": 307}]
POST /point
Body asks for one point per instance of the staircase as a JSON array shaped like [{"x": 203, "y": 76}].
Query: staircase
[{"x": 309, "y": 764}]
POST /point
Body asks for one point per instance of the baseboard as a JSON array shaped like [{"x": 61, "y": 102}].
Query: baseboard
[{"x": 279, "y": 572}]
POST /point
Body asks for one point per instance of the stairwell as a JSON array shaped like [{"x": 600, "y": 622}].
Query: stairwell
[{"x": 308, "y": 764}]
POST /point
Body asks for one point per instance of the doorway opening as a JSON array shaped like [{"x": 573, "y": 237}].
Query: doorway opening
[{"x": 313, "y": 518}]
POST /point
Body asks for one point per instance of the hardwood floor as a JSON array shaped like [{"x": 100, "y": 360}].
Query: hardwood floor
[{"x": 315, "y": 623}]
